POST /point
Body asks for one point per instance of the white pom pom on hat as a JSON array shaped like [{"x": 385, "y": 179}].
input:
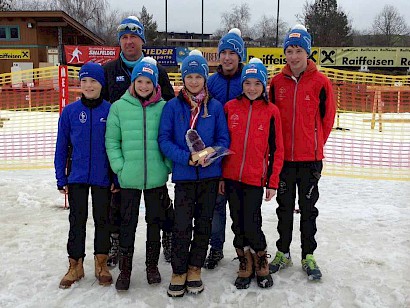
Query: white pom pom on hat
[
  {"x": 133, "y": 17},
  {"x": 300, "y": 27},
  {"x": 236, "y": 31},
  {"x": 150, "y": 60},
  {"x": 255, "y": 60},
  {"x": 195, "y": 52}
]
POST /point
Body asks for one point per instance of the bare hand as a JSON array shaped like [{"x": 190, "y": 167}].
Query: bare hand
[
  {"x": 113, "y": 189},
  {"x": 221, "y": 189},
  {"x": 64, "y": 191},
  {"x": 270, "y": 193}
]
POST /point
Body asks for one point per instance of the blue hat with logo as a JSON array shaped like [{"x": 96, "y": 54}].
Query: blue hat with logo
[
  {"x": 131, "y": 25},
  {"x": 147, "y": 67},
  {"x": 233, "y": 41},
  {"x": 93, "y": 70},
  {"x": 255, "y": 69},
  {"x": 298, "y": 36},
  {"x": 194, "y": 63}
]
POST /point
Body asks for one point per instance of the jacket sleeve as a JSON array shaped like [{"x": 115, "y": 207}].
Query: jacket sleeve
[
  {"x": 113, "y": 140},
  {"x": 330, "y": 110},
  {"x": 166, "y": 87},
  {"x": 276, "y": 155},
  {"x": 61, "y": 152},
  {"x": 166, "y": 139}
]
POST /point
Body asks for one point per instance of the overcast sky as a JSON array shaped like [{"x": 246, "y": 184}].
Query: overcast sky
[{"x": 185, "y": 15}]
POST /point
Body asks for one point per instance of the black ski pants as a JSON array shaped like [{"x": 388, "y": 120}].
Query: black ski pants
[
  {"x": 194, "y": 207},
  {"x": 78, "y": 201},
  {"x": 245, "y": 203},
  {"x": 305, "y": 177}
]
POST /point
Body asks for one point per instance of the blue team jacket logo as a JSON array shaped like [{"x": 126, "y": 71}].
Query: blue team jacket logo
[{"x": 82, "y": 117}]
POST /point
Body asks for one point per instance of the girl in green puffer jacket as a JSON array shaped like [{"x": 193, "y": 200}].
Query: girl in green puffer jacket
[{"x": 134, "y": 155}]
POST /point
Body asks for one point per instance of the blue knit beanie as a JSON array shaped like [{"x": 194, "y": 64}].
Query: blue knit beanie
[
  {"x": 233, "y": 41},
  {"x": 194, "y": 63},
  {"x": 255, "y": 69},
  {"x": 147, "y": 67},
  {"x": 93, "y": 70},
  {"x": 131, "y": 25},
  {"x": 298, "y": 36}
]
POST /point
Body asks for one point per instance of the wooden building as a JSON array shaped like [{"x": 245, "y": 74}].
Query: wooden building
[{"x": 32, "y": 39}]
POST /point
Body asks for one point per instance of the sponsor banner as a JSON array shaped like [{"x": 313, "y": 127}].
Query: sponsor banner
[
  {"x": 365, "y": 56},
  {"x": 84, "y": 54},
  {"x": 14, "y": 54},
  {"x": 164, "y": 55},
  {"x": 275, "y": 55},
  {"x": 63, "y": 86},
  {"x": 209, "y": 53}
]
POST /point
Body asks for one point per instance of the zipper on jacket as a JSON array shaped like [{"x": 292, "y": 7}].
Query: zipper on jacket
[
  {"x": 245, "y": 142},
  {"x": 316, "y": 140},
  {"x": 228, "y": 88},
  {"x": 294, "y": 117},
  {"x": 145, "y": 146},
  {"x": 91, "y": 137}
]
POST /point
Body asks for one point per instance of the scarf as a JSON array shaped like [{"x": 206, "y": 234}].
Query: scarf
[
  {"x": 130, "y": 64},
  {"x": 195, "y": 102}
]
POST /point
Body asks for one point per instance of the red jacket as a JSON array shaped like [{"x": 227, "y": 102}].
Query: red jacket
[
  {"x": 307, "y": 108},
  {"x": 256, "y": 140}
]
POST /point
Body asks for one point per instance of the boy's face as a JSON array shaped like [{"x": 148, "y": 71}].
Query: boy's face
[
  {"x": 143, "y": 86},
  {"x": 296, "y": 57},
  {"x": 252, "y": 88},
  {"x": 90, "y": 87},
  {"x": 229, "y": 61},
  {"x": 194, "y": 83}
]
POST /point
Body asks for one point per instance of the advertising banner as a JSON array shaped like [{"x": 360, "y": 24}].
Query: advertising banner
[
  {"x": 166, "y": 56},
  {"x": 274, "y": 55},
  {"x": 14, "y": 54},
  {"x": 84, "y": 54}
]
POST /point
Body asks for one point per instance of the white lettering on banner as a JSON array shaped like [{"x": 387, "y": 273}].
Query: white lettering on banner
[{"x": 101, "y": 53}]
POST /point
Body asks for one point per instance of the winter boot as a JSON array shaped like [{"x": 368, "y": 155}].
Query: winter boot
[
  {"x": 167, "y": 245},
  {"x": 310, "y": 267},
  {"x": 280, "y": 262},
  {"x": 151, "y": 261},
  {"x": 125, "y": 265},
  {"x": 213, "y": 258},
  {"x": 263, "y": 277},
  {"x": 75, "y": 272},
  {"x": 193, "y": 281},
  {"x": 101, "y": 270},
  {"x": 246, "y": 271},
  {"x": 177, "y": 285},
  {"x": 113, "y": 253}
]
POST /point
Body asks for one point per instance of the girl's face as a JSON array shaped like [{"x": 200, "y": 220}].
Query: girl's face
[
  {"x": 252, "y": 88},
  {"x": 194, "y": 83},
  {"x": 143, "y": 86},
  {"x": 90, "y": 87}
]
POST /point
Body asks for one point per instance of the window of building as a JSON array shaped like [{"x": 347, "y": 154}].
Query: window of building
[{"x": 9, "y": 33}]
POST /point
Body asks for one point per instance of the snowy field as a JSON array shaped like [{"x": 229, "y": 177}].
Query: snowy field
[{"x": 363, "y": 252}]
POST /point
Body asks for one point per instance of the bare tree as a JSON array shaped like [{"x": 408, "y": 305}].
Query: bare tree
[
  {"x": 265, "y": 30},
  {"x": 390, "y": 27},
  {"x": 238, "y": 17},
  {"x": 31, "y": 5},
  {"x": 5, "y": 5}
]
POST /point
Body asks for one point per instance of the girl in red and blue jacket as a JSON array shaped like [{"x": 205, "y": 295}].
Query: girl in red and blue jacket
[
  {"x": 256, "y": 140},
  {"x": 196, "y": 183}
]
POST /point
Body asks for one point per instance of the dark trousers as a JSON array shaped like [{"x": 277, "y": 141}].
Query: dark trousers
[
  {"x": 245, "y": 203},
  {"x": 155, "y": 212},
  {"x": 78, "y": 201},
  {"x": 167, "y": 218},
  {"x": 305, "y": 176},
  {"x": 219, "y": 223},
  {"x": 193, "y": 201}
]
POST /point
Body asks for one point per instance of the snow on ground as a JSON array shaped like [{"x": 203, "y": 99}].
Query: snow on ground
[{"x": 363, "y": 251}]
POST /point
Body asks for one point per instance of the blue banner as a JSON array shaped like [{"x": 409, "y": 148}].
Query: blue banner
[{"x": 165, "y": 56}]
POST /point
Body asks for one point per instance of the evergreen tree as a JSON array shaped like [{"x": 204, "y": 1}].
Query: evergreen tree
[{"x": 150, "y": 26}]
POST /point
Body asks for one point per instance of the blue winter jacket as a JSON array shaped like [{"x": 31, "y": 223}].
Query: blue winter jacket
[
  {"x": 84, "y": 129},
  {"x": 224, "y": 88},
  {"x": 173, "y": 127}
]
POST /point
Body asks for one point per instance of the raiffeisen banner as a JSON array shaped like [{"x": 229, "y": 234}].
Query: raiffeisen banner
[{"x": 275, "y": 55}]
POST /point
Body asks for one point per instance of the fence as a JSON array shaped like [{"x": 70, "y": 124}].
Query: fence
[{"x": 370, "y": 139}]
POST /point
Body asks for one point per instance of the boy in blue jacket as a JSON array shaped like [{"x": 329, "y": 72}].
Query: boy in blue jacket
[
  {"x": 81, "y": 127},
  {"x": 196, "y": 182}
]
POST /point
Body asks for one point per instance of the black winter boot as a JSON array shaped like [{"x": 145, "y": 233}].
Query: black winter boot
[
  {"x": 213, "y": 258},
  {"x": 113, "y": 253},
  {"x": 151, "y": 261},
  {"x": 167, "y": 245},
  {"x": 125, "y": 265}
]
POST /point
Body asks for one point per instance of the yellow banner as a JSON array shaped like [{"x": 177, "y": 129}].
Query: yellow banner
[
  {"x": 275, "y": 56},
  {"x": 15, "y": 54}
]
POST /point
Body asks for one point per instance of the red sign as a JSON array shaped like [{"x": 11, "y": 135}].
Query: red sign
[
  {"x": 63, "y": 85},
  {"x": 84, "y": 54}
]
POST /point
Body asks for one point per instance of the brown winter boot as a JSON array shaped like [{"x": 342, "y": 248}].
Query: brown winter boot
[
  {"x": 246, "y": 272},
  {"x": 177, "y": 285},
  {"x": 193, "y": 281},
  {"x": 263, "y": 277},
  {"x": 101, "y": 270},
  {"x": 152, "y": 255},
  {"x": 75, "y": 272}
]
